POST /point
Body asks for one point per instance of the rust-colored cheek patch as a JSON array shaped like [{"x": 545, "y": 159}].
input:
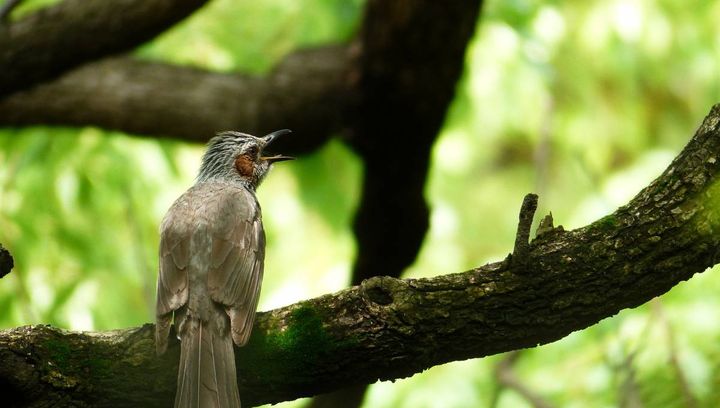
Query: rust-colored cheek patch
[{"x": 244, "y": 165}]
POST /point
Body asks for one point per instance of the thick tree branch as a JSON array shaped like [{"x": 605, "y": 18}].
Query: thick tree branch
[
  {"x": 389, "y": 328},
  {"x": 305, "y": 92},
  {"x": 70, "y": 33}
]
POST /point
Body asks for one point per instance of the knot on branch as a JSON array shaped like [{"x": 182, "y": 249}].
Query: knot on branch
[{"x": 381, "y": 290}]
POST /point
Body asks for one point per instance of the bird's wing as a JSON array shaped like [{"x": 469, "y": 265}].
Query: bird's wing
[
  {"x": 175, "y": 231},
  {"x": 237, "y": 259},
  {"x": 172, "y": 284}
]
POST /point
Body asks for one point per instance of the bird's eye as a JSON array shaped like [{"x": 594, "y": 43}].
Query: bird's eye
[{"x": 252, "y": 151}]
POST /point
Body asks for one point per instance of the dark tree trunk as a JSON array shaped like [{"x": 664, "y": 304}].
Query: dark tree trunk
[{"x": 412, "y": 55}]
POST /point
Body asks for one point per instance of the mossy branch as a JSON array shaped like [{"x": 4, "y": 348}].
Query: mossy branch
[{"x": 390, "y": 328}]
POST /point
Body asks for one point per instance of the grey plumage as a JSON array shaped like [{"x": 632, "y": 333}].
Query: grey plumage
[{"x": 212, "y": 250}]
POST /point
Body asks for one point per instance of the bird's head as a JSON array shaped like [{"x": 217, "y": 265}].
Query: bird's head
[{"x": 239, "y": 157}]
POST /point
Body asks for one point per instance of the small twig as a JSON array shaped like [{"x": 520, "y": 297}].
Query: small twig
[
  {"x": 7, "y": 8},
  {"x": 522, "y": 237},
  {"x": 690, "y": 399},
  {"x": 506, "y": 377},
  {"x": 629, "y": 390},
  {"x": 6, "y": 262}
]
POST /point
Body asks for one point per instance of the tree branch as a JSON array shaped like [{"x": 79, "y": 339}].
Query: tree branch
[
  {"x": 389, "y": 328},
  {"x": 72, "y": 32},
  {"x": 305, "y": 92}
]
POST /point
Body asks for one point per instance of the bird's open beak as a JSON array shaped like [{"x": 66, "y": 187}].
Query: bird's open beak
[
  {"x": 268, "y": 139},
  {"x": 272, "y": 136},
  {"x": 277, "y": 158}
]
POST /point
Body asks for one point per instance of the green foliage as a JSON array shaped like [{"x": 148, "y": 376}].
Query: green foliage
[
  {"x": 249, "y": 35},
  {"x": 76, "y": 215},
  {"x": 583, "y": 103}
]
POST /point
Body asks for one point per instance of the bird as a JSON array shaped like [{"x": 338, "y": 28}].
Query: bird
[{"x": 212, "y": 254}]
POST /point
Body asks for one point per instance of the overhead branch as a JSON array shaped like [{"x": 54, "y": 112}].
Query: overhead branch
[
  {"x": 70, "y": 33},
  {"x": 388, "y": 328},
  {"x": 304, "y": 92}
]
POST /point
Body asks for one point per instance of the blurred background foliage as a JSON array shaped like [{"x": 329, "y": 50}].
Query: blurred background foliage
[{"x": 582, "y": 102}]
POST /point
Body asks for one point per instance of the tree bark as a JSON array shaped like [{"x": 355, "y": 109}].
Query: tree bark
[
  {"x": 388, "y": 328},
  {"x": 72, "y": 32}
]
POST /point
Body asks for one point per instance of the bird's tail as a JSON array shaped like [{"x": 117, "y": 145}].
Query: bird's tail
[{"x": 206, "y": 376}]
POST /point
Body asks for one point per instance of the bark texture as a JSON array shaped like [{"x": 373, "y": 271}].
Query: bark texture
[{"x": 388, "y": 328}]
